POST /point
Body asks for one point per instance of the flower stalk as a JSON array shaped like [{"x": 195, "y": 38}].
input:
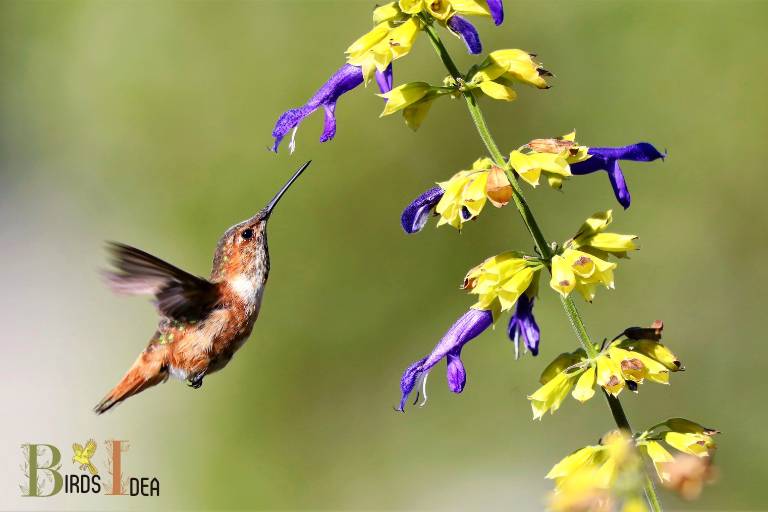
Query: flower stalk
[{"x": 544, "y": 249}]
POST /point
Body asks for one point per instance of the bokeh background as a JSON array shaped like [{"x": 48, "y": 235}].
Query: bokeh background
[{"x": 147, "y": 122}]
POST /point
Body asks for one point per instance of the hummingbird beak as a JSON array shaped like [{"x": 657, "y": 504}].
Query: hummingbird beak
[{"x": 267, "y": 211}]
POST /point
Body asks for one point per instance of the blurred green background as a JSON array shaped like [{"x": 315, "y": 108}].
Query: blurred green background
[{"x": 147, "y": 123}]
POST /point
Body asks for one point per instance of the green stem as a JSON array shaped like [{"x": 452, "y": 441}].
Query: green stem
[
  {"x": 623, "y": 423},
  {"x": 569, "y": 306}
]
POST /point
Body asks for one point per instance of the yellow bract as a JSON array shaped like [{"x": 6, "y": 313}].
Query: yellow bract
[
  {"x": 598, "y": 478},
  {"x": 683, "y": 435},
  {"x": 396, "y": 26},
  {"x": 465, "y": 194},
  {"x": 591, "y": 236},
  {"x": 502, "y": 68},
  {"x": 442, "y": 10},
  {"x": 690, "y": 443},
  {"x": 404, "y": 96},
  {"x": 500, "y": 280},
  {"x": 659, "y": 456},
  {"x": 582, "y": 271},
  {"x": 387, "y": 41},
  {"x": 529, "y": 166},
  {"x": 582, "y": 265},
  {"x": 512, "y": 65},
  {"x": 619, "y": 365},
  {"x": 550, "y": 157}
]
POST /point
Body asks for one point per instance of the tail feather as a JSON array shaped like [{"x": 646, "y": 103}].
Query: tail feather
[{"x": 148, "y": 370}]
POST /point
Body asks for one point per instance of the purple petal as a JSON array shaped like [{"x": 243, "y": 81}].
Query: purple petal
[
  {"x": 640, "y": 152},
  {"x": 470, "y": 325},
  {"x": 384, "y": 79},
  {"x": 590, "y": 165},
  {"x": 329, "y": 127},
  {"x": 619, "y": 184},
  {"x": 497, "y": 11},
  {"x": 416, "y": 214},
  {"x": 408, "y": 381},
  {"x": 607, "y": 159},
  {"x": 523, "y": 325},
  {"x": 455, "y": 372},
  {"x": 465, "y": 30},
  {"x": 342, "y": 81}
]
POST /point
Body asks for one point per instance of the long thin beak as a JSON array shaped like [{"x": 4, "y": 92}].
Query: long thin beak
[{"x": 271, "y": 205}]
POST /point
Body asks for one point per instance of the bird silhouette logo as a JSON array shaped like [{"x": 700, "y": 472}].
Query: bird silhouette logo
[{"x": 83, "y": 456}]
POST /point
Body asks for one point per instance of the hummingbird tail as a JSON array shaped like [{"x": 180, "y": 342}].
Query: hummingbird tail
[{"x": 149, "y": 370}]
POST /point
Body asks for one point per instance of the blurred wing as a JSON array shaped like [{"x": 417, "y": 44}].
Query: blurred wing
[
  {"x": 90, "y": 449},
  {"x": 178, "y": 293},
  {"x": 77, "y": 449}
]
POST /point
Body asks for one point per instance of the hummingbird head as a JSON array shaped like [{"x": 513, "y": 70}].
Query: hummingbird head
[{"x": 243, "y": 247}]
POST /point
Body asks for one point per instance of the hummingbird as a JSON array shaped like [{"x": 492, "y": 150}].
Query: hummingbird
[{"x": 203, "y": 322}]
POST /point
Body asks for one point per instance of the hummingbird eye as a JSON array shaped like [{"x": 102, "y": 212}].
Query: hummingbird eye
[{"x": 247, "y": 234}]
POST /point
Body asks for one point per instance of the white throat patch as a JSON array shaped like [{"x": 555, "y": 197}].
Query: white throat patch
[{"x": 244, "y": 287}]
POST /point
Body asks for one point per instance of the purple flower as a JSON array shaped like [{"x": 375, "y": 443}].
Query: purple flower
[
  {"x": 342, "y": 81},
  {"x": 416, "y": 214},
  {"x": 497, "y": 11},
  {"x": 607, "y": 159},
  {"x": 523, "y": 325},
  {"x": 465, "y": 30},
  {"x": 469, "y": 326}
]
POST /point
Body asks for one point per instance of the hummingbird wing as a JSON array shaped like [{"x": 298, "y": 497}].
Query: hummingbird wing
[{"x": 178, "y": 294}]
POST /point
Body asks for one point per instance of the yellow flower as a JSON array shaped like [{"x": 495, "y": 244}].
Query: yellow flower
[
  {"x": 500, "y": 280},
  {"x": 690, "y": 443},
  {"x": 616, "y": 366},
  {"x": 558, "y": 379},
  {"x": 582, "y": 264},
  {"x": 387, "y": 41},
  {"x": 502, "y": 68},
  {"x": 591, "y": 235},
  {"x": 551, "y": 395},
  {"x": 683, "y": 435},
  {"x": 550, "y": 157},
  {"x": 511, "y": 65},
  {"x": 471, "y": 7},
  {"x": 598, "y": 477},
  {"x": 609, "y": 374},
  {"x": 654, "y": 350},
  {"x": 466, "y": 193},
  {"x": 582, "y": 271},
  {"x": 659, "y": 456},
  {"x": 560, "y": 363},
  {"x": 387, "y": 12},
  {"x": 404, "y": 96},
  {"x": 585, "y": 386},
  {"x": 396, "y": 26},
  {"x": 573, "y": 462},
  {"x": 411, "y": 6},
  {"x": 529, "y": 166},
  {"x": 441, "y": 10}
]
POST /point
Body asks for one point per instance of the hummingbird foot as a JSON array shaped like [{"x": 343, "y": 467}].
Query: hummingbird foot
[{"x": 196, "y": 381}]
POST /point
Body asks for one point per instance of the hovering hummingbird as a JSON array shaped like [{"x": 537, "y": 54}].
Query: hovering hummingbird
[{"x": 203, "y": 322}]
